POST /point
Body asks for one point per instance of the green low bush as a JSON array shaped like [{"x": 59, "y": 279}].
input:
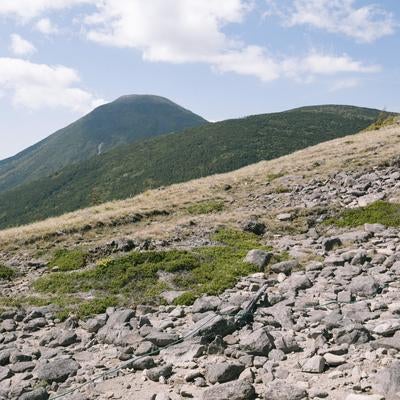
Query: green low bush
[
  {"x": 206, "y": 207},
  {"x": 96, "y": 306},
  {"x": 6, "y": 273},
  {"x": 380, "y": 212},
  {"x": 68, "y": 260},
  {"x": 140, "y": 277}
]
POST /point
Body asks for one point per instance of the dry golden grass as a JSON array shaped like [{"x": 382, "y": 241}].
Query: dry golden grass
[{"x": 364, "y": 149}]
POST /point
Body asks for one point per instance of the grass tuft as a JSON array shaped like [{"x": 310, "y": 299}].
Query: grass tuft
[
  {"x": 68, "y": 260},
  {"x": 206, "y": 207},
  {"x": 380, "y": 212},
  {"x": 96, "y": 306},
  {"x": 6, "y": 273}
]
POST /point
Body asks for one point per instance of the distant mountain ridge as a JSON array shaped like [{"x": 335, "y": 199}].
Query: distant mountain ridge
[
  {"x": 123, "y": 121},
  {"x": 178, "y": 157}
]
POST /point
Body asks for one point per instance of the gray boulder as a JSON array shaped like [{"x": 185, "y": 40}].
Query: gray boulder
[
  {"x": 355, "y": 236},
  {"x": 56, "y": 371},
  {"x": 282, "y": 390},
  {"x": 285, "y": 267},
  {"x": 238, "y": 390},
  {"x": 182, "y": 352},
  {"x": 206, "y": 303},
  {"x": 161, "y": 339},
  {"x": 142, "y": 363},
  {"x": 35, "y": 324},
  {"x": 286, "y": 342},
  {"x": 387, "y": 342},
  {"x": 8, "y": 325},
  {"x": 117, "y": 330},
  {"x": 94, "y": 324},
  {"x": 4, "y": 373},
  {"x": 353, "y": 334},
  {"x": 295, "y": 282},
  {"x": 314, "y": 365},
  {"x": 364, "y": 286},
  {"x": 329, "y": 244},
  {"x": 387, "y": 381},
  {"x": 145, "y": 348},
  {"x": 223, "y": 372},
  {"x": 254, "y": 226},
  {"x": 259, "y": 258},
  {"x": 67, "y": 338},
  {"x": 22, "y": 366},
  {"x": 5, "y": 357},
  {"x": 120, "y": 317},
  {"x": 37, "y": 394},
  {"x": 155, "y": 374},
  {"x": 162, "y": 396},
  {"x": 213, "y": 325},
  {"x": 258, "y": 343}
]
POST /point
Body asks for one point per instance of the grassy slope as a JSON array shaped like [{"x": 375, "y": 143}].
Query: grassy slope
[
  {"x": 125, "y": 120},
  {"x": 133, "y": 278},
  {"x": 167, "y": 159}
]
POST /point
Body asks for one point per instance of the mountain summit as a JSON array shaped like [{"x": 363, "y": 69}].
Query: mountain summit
[{"x": 125, "y": 120}]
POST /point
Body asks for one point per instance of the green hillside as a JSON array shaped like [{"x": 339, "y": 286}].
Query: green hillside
[
  {"x": 172, "y": 158},
  {"x": 125, "y": 120}
]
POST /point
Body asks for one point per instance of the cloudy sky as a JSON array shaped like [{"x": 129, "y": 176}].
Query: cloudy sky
[{"x": 219, "y": 58}]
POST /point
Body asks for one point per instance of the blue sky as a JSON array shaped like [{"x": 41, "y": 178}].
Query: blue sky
[{"x": 219, "y": 58}]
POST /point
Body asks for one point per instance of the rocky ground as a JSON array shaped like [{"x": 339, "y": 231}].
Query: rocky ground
[{"x": 326, "y": 326}]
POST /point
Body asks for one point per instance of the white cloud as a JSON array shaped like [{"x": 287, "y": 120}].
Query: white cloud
[
  {"x": 183, "y": 31},
  {"x": 192, "y": 31},
  {"x": 343, "y": 84},
  {"x": 325, "y": 64},
  {"x": 21, "y": 47},
  {"x": 365, "y": 24},
  {"x": 251, "y": 60},
  {"x": 167, "y": 30},
  {"x": 39, "y": 85},
  {"x": 28, "y": 9},
  {"x": 315, "y": 64},
  {"x": 46, "y": 26}
]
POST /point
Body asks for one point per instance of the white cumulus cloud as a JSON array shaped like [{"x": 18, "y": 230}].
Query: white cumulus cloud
[
  {"x": 185, "y": 31},
  {"x": 342, "y": 84},
  {"x": 46, "y": 26},
  {"x": 181, "y": 31},
  {"x": 364, "y": 23},
  {"x": 28, "y": 9},
  {"x": 326, "y": 64},
  {"x": 167, "y": 30},
  {"x": 20, "y": 46},
  {"x": 193, "y": 31},
  {"x": 36, "y": 86}
]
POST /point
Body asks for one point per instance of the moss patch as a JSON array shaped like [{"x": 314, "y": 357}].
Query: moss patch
[
  {"x": 206, "y": 207},
  {"x": 66, "y": 305},
  {"x": 68, "y": 260},
  {"x": 6, "y": 273},
  {"x": 142, "y": 277},
  {"x": 134, "y": 276},
  {"x": 380, "y": 212}
]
